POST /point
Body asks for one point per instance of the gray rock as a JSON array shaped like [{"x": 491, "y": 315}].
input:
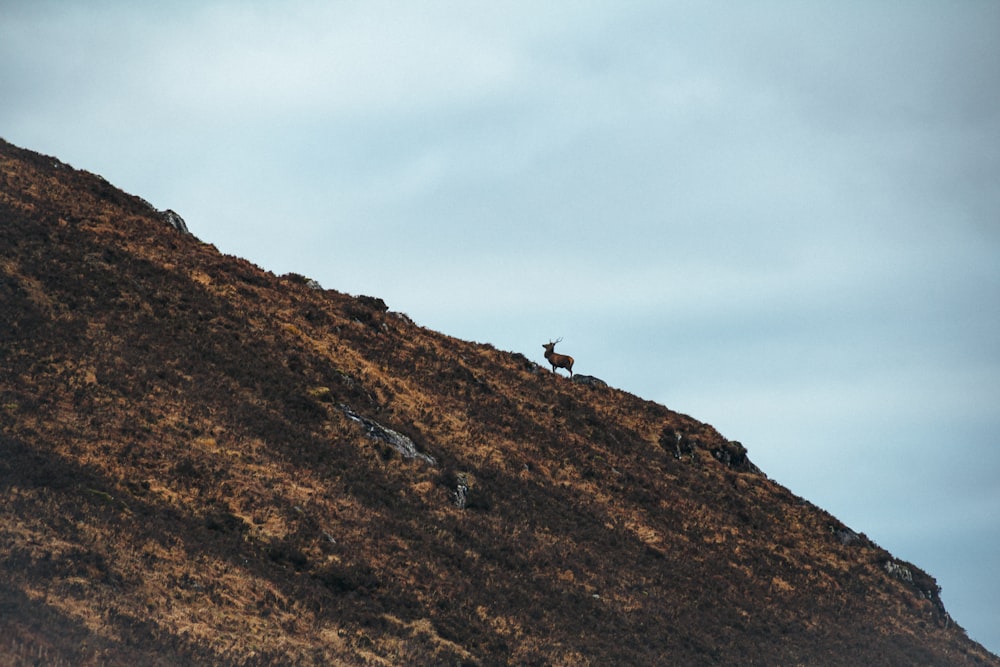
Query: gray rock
[
  {"x": 734, "y": 455},
  {"x": 174, "y": 220},
  {"x": 394, "y": 439},
  {"x": 901, "y": 572},
  {"x": 461, "y": 493},
  {"x": 845, "y": 535},
  {"x": 589, "y": 380}
]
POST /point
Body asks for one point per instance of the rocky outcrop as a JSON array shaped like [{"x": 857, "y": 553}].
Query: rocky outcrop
[
  {"x": 174, "y": 220},
  {"x": 923, "y": 584},
  {"x": 399, "y": 442},
  {"x": 300, "y": 279},
  {"x": 734, "y": 455},
  {"x": 589, "y": 380},
  {"x": 464, "y": 490}
]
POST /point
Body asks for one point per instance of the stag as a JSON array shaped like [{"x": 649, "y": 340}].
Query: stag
[{"x": 558, "y": 360}]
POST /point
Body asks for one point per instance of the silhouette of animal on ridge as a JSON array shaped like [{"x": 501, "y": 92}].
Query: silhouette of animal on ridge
[{"x": 558, "y": 360}]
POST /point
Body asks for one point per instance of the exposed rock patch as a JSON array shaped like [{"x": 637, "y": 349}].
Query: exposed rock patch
[
  {"x": 589, "y": 380},
  {"x": 174, "y": 220},
  {"x": 734, "y": 455},
  {"x": 399, "y": 442},
  {"x": 464, "y": 490},
  {"x": 846, "y": 536}
]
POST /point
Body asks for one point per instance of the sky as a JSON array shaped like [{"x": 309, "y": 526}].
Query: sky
[{"x": 780, "y": 218}]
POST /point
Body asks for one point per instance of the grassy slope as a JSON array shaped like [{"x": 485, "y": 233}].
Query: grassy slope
[{"x": 181, "y": 483}]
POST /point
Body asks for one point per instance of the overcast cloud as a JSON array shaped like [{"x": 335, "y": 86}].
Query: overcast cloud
[{"x": 782, "y": 218}]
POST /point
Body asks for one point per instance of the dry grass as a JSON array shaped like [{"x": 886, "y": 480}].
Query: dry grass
[{"x": 182, "y": 485}]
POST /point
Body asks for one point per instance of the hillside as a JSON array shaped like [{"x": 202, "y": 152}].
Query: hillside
[{"x": 205, "y": 463}]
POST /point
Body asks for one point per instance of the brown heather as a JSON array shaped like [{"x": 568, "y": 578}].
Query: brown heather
[{"x": 200, "y": 464}]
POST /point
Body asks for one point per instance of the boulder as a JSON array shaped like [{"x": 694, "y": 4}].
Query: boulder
[
  {"x": 589, "y": 380},
  {"x": 174, "y": 220}
]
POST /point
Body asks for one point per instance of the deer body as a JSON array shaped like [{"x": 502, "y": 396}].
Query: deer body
[{"x": 558, "y": 360}]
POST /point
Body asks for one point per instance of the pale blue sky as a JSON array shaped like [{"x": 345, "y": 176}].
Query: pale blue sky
[{"x": 781, "y": 218}]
